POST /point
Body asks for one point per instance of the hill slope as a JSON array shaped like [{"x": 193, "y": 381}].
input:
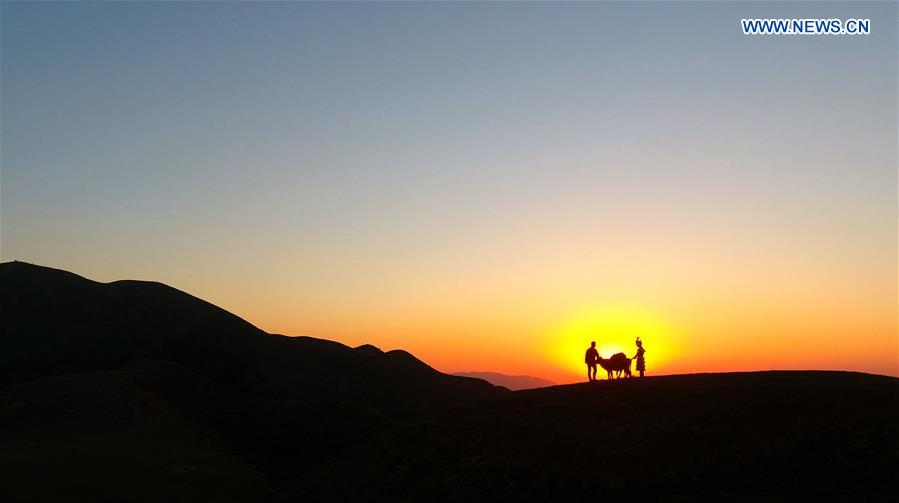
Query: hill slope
[
  {"x": 765, "y": 436},
  {"x": 55, "y": 322},
  {"x": 159, "y": 432},
  {"x": 133, "y": 390}
]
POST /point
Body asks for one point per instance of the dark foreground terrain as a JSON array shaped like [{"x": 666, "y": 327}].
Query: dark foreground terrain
[
  {"x": 134, "y": 391},
  {"x": 762, "y": 436}
]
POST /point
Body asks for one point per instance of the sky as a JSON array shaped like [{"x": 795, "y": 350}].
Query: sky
[{"x": 488, "y": 186}]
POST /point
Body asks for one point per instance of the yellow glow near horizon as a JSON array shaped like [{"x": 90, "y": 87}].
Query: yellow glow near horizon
[{"x": 615, "y": 329}]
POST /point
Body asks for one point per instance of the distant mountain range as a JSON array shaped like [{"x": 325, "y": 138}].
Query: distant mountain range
[{"x": 513, "y": 382}]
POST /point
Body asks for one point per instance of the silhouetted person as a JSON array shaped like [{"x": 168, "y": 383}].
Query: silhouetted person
[
  {"x": 590, "y": 358},
  {"x": 641, "y": 362}
]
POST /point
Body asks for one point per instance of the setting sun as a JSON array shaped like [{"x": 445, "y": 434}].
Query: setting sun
[{"x": 615, "y": 329}]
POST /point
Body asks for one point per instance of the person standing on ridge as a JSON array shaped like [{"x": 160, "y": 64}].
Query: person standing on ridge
[
  {"x": 641, "y": 362},
  {"x": 590, "y": 358}
]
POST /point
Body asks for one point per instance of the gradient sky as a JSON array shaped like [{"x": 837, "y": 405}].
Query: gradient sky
[{"x": 490, "y": 186}]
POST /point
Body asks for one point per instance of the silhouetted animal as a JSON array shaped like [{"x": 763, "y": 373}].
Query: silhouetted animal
[{"x": 618, "y": 363}]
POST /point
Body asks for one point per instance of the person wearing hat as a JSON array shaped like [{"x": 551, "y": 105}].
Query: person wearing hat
[{"x": 641, "y": 361}]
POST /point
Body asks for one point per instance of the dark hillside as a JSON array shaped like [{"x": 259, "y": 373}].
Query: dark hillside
[
  {"x": 159, "y": 432},
  {"x": 767, "y": 436},
  {"x": 55, "y": 322}
]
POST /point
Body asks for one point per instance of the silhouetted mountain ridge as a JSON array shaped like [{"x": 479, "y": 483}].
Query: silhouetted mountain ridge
[{"x": 56, "y": 322}]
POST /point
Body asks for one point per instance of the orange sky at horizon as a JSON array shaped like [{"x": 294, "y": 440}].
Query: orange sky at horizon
[
  {"x": 701, "y": 303},
  {"x": 537, "y": 315},
  {"x": 719, "y": 298}
]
